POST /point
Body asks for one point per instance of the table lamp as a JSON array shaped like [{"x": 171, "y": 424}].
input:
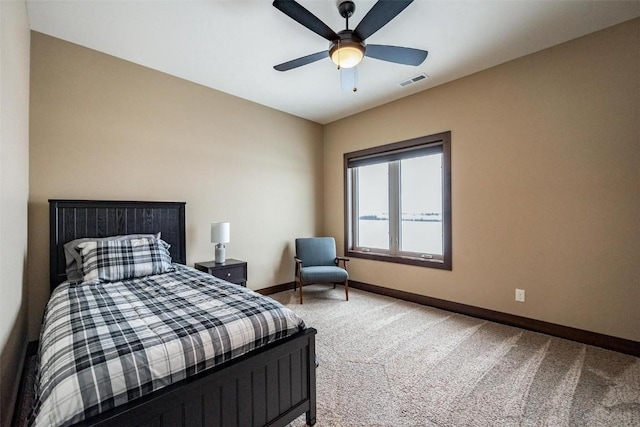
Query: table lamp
[{"x": 220, "y": 232}]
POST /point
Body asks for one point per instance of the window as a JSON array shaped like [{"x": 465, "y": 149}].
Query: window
[{"x": 398, "y": 202}]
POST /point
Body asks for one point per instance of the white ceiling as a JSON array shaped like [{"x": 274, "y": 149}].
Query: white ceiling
[{"x": 232, "y": 45}]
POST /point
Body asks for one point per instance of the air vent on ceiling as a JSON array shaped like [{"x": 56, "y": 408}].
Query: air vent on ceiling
[{"x": 414, "y": 79}]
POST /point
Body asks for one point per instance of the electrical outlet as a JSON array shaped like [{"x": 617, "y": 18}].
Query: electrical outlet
[{"x": 520, "y": 295}]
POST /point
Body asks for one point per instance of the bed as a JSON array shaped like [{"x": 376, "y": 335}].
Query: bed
[{"x": 272, "y": 384}]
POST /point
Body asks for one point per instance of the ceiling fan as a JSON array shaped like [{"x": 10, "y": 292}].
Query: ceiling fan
[{"x": 347, "y": 47}]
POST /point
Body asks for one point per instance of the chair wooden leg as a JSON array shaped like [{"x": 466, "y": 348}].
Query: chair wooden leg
[
  {"x": 300, "y": 292},
  {"x": 346, "y": 289}
]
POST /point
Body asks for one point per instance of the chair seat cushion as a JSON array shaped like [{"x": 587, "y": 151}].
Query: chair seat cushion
[{"x": 322, "y": 274}]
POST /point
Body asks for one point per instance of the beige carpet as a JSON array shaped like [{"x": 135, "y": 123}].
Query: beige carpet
[{"x": 386, "y": 362}]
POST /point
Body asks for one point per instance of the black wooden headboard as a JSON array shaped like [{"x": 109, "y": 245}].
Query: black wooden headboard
[{"x": 73, "y": 219}]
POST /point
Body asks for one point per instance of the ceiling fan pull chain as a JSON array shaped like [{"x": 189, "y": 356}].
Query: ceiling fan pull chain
[
  {"x": 355, "y": 79},
  {"x": 349, "y": 79}
]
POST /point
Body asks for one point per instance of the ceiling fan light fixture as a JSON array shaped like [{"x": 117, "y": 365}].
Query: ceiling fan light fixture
[
  {"x": 348, "y": 47},
  {"x": 346, "y": 53}
]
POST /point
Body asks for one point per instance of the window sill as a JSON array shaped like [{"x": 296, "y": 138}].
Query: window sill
[{"x": 420, "y": 262}]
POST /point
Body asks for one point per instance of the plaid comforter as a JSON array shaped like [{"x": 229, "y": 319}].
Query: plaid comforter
[{"x": 105, "y": 344}]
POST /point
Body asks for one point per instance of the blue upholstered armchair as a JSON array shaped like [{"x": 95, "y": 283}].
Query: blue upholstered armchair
[{"x": 316, "y": 262}]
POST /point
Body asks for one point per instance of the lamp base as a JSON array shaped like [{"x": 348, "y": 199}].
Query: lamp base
[{"x": 220, "y": 253}]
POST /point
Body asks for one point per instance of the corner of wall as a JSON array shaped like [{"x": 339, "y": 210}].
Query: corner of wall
[{"x": 14, "y": 194}]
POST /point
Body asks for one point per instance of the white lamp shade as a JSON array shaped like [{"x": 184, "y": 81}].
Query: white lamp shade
[{"x": 220, "y": 232}]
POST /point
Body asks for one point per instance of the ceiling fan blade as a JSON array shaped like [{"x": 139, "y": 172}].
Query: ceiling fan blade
[
  {"x": 301, "y": 15},
  {"x": 399, "y": 55},
  {"x": 299, "y": 62},
  {"x": 379, "y": 15}
]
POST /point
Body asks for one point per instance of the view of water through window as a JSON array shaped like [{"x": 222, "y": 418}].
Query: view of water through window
[
  {"x": 373, "y": 205},
  {"x": 417, "y": 236},
  {"x": 420, "y": 203}
]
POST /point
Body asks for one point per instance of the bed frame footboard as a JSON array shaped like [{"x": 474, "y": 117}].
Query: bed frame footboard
[{"x": 271, "y": 386}]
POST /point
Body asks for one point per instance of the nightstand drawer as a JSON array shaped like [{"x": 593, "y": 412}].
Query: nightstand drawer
[
  {"x": 233, "y": 270},
  {"x": 230, "y": 274}
]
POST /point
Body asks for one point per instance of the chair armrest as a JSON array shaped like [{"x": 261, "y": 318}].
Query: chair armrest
[
  {"x": 298, "y": 265},
  {"x": 344, "y": 261}
]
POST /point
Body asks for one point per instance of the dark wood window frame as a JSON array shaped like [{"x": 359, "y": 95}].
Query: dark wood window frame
[{"x": 390, "y": 152}]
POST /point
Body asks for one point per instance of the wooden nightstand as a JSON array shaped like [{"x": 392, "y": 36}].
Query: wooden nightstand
[{"x": 232, "y": 270}]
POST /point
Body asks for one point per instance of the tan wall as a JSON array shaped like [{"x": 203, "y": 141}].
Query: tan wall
[
  {"x": 546, "y": 183},
  {"x": 104, "y": 128},
  {"x": 14, "y": 191}
]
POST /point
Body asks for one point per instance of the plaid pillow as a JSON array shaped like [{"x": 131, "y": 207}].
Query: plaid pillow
[
  {"x": 113, "y": 260},
  {"x": 74, "y": 259}
]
